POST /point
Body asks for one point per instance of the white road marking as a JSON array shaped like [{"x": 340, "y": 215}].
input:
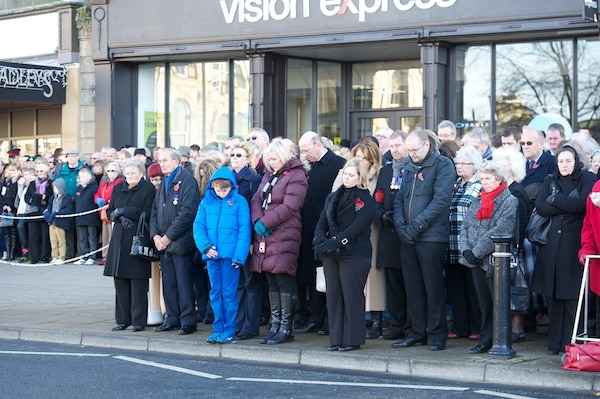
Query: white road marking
[
  {"x": 350, "y": 384},
  {"x": 502, "y": 395},
  {"x": 54, "y": 354},
  {"x": 168, "y": 367}
]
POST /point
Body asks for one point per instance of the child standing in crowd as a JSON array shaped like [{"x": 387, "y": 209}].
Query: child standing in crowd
[
  {"x": 59, "y": 204},
  {"x": 23, "y": 210},
  {"x": 87, "y": 225},
  {"x": 222, "y": 233}
]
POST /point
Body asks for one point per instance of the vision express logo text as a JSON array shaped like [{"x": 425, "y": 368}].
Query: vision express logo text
[{"x": 264, "y": 10}]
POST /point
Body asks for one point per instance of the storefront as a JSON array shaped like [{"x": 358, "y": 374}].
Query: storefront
[{"x": 190, "y": 72}]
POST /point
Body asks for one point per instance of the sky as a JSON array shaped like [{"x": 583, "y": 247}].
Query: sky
[{"x": 29, "y": 36}]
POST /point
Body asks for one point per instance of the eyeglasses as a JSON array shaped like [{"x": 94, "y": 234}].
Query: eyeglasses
[
  {"x": 39, "y": 171},
  {"x": 306, "y": 151},
  {"x": 415, "y": 150},
  {"x": 110, "y": 170},
  {"x": 527, "y": 143},
  {"x": 464, "y": 164},
  {"x": 238, "y": 155}
]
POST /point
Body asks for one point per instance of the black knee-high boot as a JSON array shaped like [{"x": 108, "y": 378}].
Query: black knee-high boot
[
  {"x": 275, "y": 301},
  {"x": 286, "y": 331}
]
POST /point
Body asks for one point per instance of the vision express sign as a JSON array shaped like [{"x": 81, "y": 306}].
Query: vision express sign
[{"x": 250, "y": 11}]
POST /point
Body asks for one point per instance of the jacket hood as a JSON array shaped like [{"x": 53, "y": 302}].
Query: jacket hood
[
  {"x": 60, "y": 184},
  {"x": 222, "y": 173}
]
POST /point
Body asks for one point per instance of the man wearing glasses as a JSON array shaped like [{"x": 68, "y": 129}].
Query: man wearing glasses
[
  {"x": 421, "y": 219},
  {"x": 540, "y": 163}
]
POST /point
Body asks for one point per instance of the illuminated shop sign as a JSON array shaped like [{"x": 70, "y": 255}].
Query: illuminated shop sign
[
  {"x": 264, "y": 10},
  {"x": 24, "y": 82}
]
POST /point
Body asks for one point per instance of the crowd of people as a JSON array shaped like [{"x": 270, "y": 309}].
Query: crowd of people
[{"x": 400, "y": 222}]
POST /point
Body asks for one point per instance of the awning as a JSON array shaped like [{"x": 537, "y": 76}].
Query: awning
[{"x": 35, "y": 83}]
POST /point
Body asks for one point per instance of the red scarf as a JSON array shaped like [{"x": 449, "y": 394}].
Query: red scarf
[{"x": 487, "y": 202}]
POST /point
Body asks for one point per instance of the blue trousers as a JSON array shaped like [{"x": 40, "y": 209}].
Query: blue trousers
[
  {"x": 224, "y": 280},
  {"x": 178, "y": 288}
]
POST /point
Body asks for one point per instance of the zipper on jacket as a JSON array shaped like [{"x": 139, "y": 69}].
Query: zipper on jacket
[{"x": 412, "y": 194}]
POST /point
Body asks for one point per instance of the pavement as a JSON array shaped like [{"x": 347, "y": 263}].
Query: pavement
[{"x": 71, "y": 304}]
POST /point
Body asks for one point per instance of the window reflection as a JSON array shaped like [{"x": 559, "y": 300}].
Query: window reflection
[
  {"x": 378, "y": 85},
  {"x": 588, "y": 85},
  {"x": 531, "y": 79},
  {"x": 299, "y": 90},
  {"x": 329, "y": 82},
  {"x": 151, "y": 105},
  {"x": 474, "y": 87}
]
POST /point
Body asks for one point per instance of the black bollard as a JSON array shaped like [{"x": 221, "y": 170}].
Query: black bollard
[{"x": 502, "y": 342}]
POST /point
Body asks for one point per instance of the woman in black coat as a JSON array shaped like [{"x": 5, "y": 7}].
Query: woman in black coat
[
  {"x": 129, "y": 199},
  {"x": 342, "y": 242},
  {"x": 558, "y": 273},
  {"x": 37, "y": 195},
  {"x": 8, "y": 196}
]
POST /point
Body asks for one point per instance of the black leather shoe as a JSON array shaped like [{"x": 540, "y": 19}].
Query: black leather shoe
[
  {"x": 166, "y": 327},
  {"x": 242, "y": 335},
  {"x": 323, "y": 331},
  {"x": 394, "y": 334},
  {"x": 138, "y": 328},
  {"x": 186, "y": 329},
  {"x": 437, "y": 345},
  {"x": 332, "y": 348},
  {"x": 308, "y": 328},
  {"x": 120, "y": 327},
  {"x": 479, "y": 349},
  {"x": 408, "y": 342},
  {"x": 348, "y": 348}
]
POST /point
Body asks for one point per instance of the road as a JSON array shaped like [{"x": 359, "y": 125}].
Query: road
[{"x": 43, "y": 370}]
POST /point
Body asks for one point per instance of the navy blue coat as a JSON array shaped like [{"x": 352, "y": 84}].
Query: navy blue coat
[
  {"x": 67, "y": 207},
  {"x": 84, "y": 201},
  {"x": 545, "y": 166}
]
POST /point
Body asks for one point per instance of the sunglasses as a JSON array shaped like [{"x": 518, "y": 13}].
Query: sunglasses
[
  {"x": 238, "y": 155},
  {"x": 529, "y": 143}
]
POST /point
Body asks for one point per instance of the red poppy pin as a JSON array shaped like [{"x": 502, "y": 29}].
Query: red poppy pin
[
  {"x": 535, "y": 166},
  {"x": 285, "y": 173},
  {"x": 379, "y": 196},
  {"x": 358, "y": 204},
  {"x": 176, "y": 188},
  {"x": 420, "y": 176},
  {"x": 230, "y": 203}
]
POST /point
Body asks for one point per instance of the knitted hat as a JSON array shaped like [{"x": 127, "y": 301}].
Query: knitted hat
[
  {"x": 140, "y": 151},
  {"x": 60, "y": 184}
]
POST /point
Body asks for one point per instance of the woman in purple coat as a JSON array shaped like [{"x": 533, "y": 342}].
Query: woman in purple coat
[{"x": 275, "y": 210}]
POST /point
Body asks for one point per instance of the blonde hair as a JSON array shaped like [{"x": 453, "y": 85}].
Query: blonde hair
[
  {"x": 203, "y": 173},
  {"x": 370, "y": 151},
  {"x": 249, "y": 153},
  {"x": 363, "y": 173},
  {"x": 280, "y": 150}
]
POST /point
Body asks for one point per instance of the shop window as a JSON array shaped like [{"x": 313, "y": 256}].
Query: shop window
[
  {"x": 241, "y": 98},
  {"x": 532, "y": 79},
  {"x": 382, "y": 85},
  {"x": 329, "y": 84},
  {"x": 588, "y": 85},
  {"x": 151, "y": 105},
  {"x": 299, "y": 97}
]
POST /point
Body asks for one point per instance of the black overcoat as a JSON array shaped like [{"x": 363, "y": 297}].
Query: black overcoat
[{"x": 133, "y": 201}]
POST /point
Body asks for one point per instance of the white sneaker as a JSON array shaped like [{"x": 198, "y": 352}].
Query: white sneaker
[
  {"x": 80, "y": 262},
  {"x": 53, "y": 261},
  {"x": 59, "y": 262},
  {"x": 90, "y": 261}
]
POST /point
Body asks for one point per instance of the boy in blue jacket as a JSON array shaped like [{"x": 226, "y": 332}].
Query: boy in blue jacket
[{"x": 222, "y": 232}]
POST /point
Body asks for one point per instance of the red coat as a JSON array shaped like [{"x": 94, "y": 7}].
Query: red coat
[
  {"x": 106, "y": 188},
  {"x": 283, "y": 216},
  {"x": 590, "y": 239}
]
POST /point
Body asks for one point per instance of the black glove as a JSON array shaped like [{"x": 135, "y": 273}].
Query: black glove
[
  {"x": 387, "y": 219},
  {"x": 126, "y": 222},
  {"x": 236, "y": 265},
  {"x": 328, "y": 246},
  {"x": 316, "y": 251},
  {"x": 551, "y": 198},
  {"x": 115, "y": 214},
  {"x": 470, "y": 257}
]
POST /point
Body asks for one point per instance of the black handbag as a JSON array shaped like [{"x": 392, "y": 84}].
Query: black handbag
[
  {"x": 141, "y": 245},
  {"x": 538, "y": 228}
]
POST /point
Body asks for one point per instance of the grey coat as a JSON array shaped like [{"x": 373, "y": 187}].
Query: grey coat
[{"x": 476, "y": 235}]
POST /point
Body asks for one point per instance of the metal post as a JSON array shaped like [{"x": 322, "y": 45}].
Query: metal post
[{"x": 502, "y": 339}]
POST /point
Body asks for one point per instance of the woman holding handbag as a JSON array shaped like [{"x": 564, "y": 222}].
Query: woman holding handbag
[
  {"x": 557, "y": 272},
  {"x": 131, "y": 273}
]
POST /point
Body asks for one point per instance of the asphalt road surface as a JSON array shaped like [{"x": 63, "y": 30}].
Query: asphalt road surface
[{"x": 41, "y": 370}]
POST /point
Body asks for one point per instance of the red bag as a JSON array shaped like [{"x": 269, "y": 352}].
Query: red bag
[{"x": 582, "y": 357}]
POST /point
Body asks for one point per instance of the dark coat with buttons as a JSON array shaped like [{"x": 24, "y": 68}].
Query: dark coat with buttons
[
  {"x": 350, "y": 219},
  {"x": 558, "y": 272},
  {"x": 84, "y": 201}
]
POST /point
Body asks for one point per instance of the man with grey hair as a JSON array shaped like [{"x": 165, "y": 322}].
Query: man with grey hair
[
  {"x": 480, "y": 139},
  {"x": 555, "y": 135},
  {"x": 540, "y": 163},
  {"x": 383, "y": 137},
  {"x": 446, "y": 131},
  {"x": 421, "y": 219},
  {"x": 325, "y": 166},
  {"x": 261, "y": 138},
  {"x": 171, "y": 226}
]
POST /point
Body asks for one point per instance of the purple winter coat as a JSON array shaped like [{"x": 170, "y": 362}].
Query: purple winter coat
[{"x": 283, "y": 216}]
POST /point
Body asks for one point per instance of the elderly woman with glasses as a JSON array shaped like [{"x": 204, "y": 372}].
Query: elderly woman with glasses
[
  {"x": 36, "y": 197},
  {"x": 102, "y": 198},
  {"x": 459, "y": 281}
]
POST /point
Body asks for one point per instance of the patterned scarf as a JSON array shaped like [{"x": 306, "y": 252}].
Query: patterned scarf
[
  {"x": 267, "y": 190},
  {"x": 41, "y": 185},
  {"x": 487, "y": 202}
]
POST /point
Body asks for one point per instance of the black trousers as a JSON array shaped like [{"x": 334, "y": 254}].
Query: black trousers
[
  {"x": 178, "y": 288},
  {"x": 484, "y": 286},
  {"x": 201, "y": 284},
  {"x": 561, "y": 313},
  {"x": 250, "y": 299},
  {"x": 131, "y": 306},
  {"x": 423, "y": 266},
  {"x": 396, "y": 298},
  {"x": 346, "y": 279},
  {"x": 38, "y": 234},
  {"x": 461, "y": 294}
]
